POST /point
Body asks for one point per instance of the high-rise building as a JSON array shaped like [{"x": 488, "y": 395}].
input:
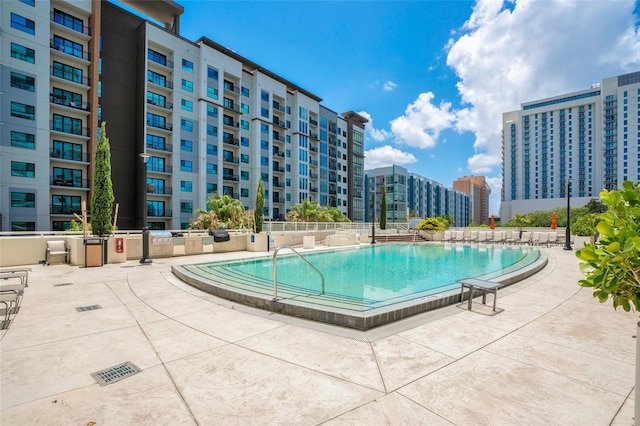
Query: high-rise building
[
  {"x": 479, "y": 189},
  {"x": 406, "y": 191},
  {"x": 585, "y": 141},
  {"x": 205, "y": 119}
]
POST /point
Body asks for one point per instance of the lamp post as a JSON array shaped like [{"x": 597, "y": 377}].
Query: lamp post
[
  {"x": 373, "y": 222},
  {"x": 145, "y": 229},
  {"x": 567, "y": 238}
]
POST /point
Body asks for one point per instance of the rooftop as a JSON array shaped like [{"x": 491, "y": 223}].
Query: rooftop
[{"x": 545, "y": 358}]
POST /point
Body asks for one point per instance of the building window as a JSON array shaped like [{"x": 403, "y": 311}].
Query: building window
[
  {"x": 212, "y": 149},
  {"x": 187, "y": 105},
  {"x": 22, "y": 169},
  {"x": 186, "y": 165},
  {"x": 264, "y": 112},
  {"x": 212, "y": 169},
  {"x": 244, "y": 124},
  {"x": 212, "y": 111},
  {"x": 156, "y": 99},
  {"x": 23, "y": 226},
  {"x": 155, "y": 78},
  {"x": 187, "y": 65},
  {"x": 156, "y": 142},
  {"x": 23, "y": 53},
  {"x": 212, "y": 188},
  {"x": 23, "y": 82},
  {"x": 244, "y": 141},
  {"x": 23, "y": 199},
  {"x": 186, "y": 186},
  {"x": 187, "y": 85},
  {"x": 186, "y": 125},
  {"x": 212, "y": 130},
  {"x": 264, "y": 161},
  {"x": 244, "y": 91},
  {"x": 244, "y": 108},
  {"x": 66, "y": 204},
  {"x": 23, "y": 140},
  {"x": 23, "y": 24},
  {"x": 66, "y": 124},
  {"x": 67, "y": 98},
  {"x": 68, "y": 72},
  {"x": 69, "y": 47},
  {"x": 67, "y": 177},
  {"x": 186, "y": 207},
  {"x": 212, "y": 93},
  {"x": 186, "y": 145},
  {"x": 67, "y": 151},
  {"x": 244, "y": 175},
  {"x": 212, "y": 73},
  {"x": 157, "y": 57},
  {"x": 244, "y": 158},
  {"x": 244, "y": 192},
  {"x": 68, "y": 21},
  {"x": 19, "y": 110},
  {"x": 29, "y": 2},
  {"x": 264, "y": 96}
]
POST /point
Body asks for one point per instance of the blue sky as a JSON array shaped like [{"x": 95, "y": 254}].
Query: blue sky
[{"x": 434, "y": 77}]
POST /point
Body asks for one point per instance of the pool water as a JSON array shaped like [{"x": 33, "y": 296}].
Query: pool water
[{"x": 373, "y": 276}]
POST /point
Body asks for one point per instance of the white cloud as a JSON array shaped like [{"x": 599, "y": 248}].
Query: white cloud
[
  {"x": 495, "y": 183},
  {"x": 389, "y": 86},
  {"x": 506, "y": 56},
  {"x": 422, "y": 122},
  {"x": 384, "y": 156},
  {"x": 377, "y": 135}
]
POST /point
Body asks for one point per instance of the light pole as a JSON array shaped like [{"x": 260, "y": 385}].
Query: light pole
[
  {"x": 145, "y": 229},
  {"x": 373, "y": 222},
  {"x": 567, "y": 237}
]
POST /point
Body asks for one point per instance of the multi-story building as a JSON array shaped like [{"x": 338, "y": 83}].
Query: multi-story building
[
  {"x": 203, "y": 118},
  {"x": 406, "y": 191},
  {"x": 479, "y": 189},
  {"x": 583, "y": 141}
]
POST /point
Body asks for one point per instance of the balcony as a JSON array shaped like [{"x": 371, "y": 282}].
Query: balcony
[
  {"x": 313, "y": 175},
  {"x": 278, "y": 185},
  {"x": 76, "y": 26},
  {"x": 69, "y": 50},
  {"x": 231, "y": 107},
  {"x": 313, "y": 162},
  {"x": 231, "y": 141},
  {"x": 333, "y": 140},
  {"x": 161, "y": 83},
  {"x": 69, "y": 76},
  {"x": 313, "y": 122},
  {"x": 60, "y": 180},
  {"x": 58, "y": 100},
  {"x": 165, "y": 105},
  {"x": 313, "y": 189},
  {"x": 160, "y": 125},
  {"x": 313, "y": 135},
  {"x": 313, "y": 148},
  {"x": 278, "y": 169},
  {"x": 56, "y": 209},
  {"x": 69, "y": 156},
  {"x": 231, "y": 160},
  {"x": 231, "y": 123},
  {"x": 69, "y": 129},
  {"x": 278, "y": 107},
  {"x": 151, "y": 212},
  {"x": 232, "y": 178},
  {"x": 277, "y": 137},
  {"x": 231, "y": 88},
  {"x": 164, "y": 190},
  {"x": 166, "y": 63},
  {"x": 279, "y": 123},
  {"x": 160, "y": 147},
  {"x": 278, "y": 154},
  {"x": 159, "y": 168}
]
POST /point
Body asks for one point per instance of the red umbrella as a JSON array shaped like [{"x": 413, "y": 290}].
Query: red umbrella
[
  {"x": 492, "y": 224},
  {"x": 554, "y": 225}
]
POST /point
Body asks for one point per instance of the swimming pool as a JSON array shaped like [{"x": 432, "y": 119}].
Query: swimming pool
[{"x": 364, "y": 286}]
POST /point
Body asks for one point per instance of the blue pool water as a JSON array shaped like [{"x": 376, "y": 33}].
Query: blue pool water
[{"x": 374, "y": 275}]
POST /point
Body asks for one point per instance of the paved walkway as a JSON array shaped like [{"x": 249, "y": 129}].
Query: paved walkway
[{"x": 554, "y": 355}]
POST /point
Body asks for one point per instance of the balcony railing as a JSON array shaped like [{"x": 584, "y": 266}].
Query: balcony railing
[
  {"x": 278, "y": 107},
  {"x": 231, "y": 123},
  {"x": 232, "y": 107},
  {"x": 233, "y": 178},
  {"x": 160, "y": 125},
  {"x": 160, "y": 147},
  {"x": 313, "y": 135},
  {"x": 278, "y": 169},
  {"x": 165, "y": 105},
  {"x": 313, "y": 162},
  {"x": 70, "y": 129},
  {"x": 58, "y": 100},
  {"x": 313, "y": 175},
  {"x": 56, "y": 72},
  {"x": 55, "y": 209},
  {"x": 71, "y": 156},
  {"x": 313, "y": 122},
  {"x": 231, "y": 160},
  {"x": 313, "y": 148},
  {"x": 279, "y": 123},
  {"x": 313, "y": 189},
  {"x": 80, "y": 54},
  {"x": 73, "y": 25},
  {"x": 279, "y": 138},
  {"x": 278, "y": 185},
  {"x": 166, "y": 83},
  {"x": 164, "y": 190},
  {"x": 278, "y": 154},
  {"x": 158, "y": 212},
  {"x": 167, "y": 63},
  {"x": 159, "y": 168},
  {"x": 231, "y": 141},
  {"x": 60, "y": 180},
  {"x": 232, "y": 89}
]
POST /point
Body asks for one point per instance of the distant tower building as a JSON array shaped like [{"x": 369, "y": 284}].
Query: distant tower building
[{"x": 477, "y": 187}]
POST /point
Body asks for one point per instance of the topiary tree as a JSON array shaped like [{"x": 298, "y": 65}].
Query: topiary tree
[
  {"x": 432, "y": 224},
  {"x": 383, "y": 209},
  {"x": 103, "y": 198},
  {"x": 258, "y": 214},
  {"x": 613, "y": 269}
]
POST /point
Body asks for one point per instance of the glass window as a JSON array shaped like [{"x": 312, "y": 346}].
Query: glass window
[
  {"x": 23, "y": 82},
  {"x": 212, "y": 111},
  {"x": 244, "y": 192},
  {"x": 69, "y": 47},
  {"x": 156, "y": 57},
  {"x": 23, "y": 199},
  {"x": 156, "y": 78},
  {"x": 67, "y": 151},
  {"x": 212, "y": 93},
  {"x": 212, "y": 149},
  {"x": 23, "y": 111},
  {"x": 23, "y": 53},
  {"x": 22, "y": 169},
  {"x": 186, "y": 125},
  {"x": 186, "y": 145},
  {"x": 156, "y": 142},
  {"x": 68, "y": 21},
  {"x": 68, "y": 72},
  {"x": 244, "y": 175},
  {"x": 23, "y": 24},
  {"x": 264, "y": 96},
  {"x": 187, "y": 65},
  {"x": 187, "y": 85},
  {"x": 212, "y": 169},
  {"x": 264, "y": 112},
  {"x": 244, "y": 124},
  {"x": 244, "y": 141},
  {"x": 23, "y": 226},
  {"x": 29, "y": 2},
  {"x": 156, "y": 99},
  {"x": 186, "y": 186},
  {"x": 244, "y": 158},
  {"x": 66, "y": 124},
  {"x": 186, "y": 207},
  {"x": 212, "y": 130},
  {"x": 67, "y": 98},
  {"x": 23, "y": 140},
  {"x": 244, "y": 108},
  {"x": 187, "y": 105},
  {"x": 244, "y": 91},
  {"x": 264, "y": 161},
  {"x": 186, "y": 165},
  {"x": 212, "y": 73},
  {"x": 66, "y": 204}
]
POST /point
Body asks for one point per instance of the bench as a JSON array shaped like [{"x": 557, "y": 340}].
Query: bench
[
  {"x": 23, "y": 275},
  {"x": 56, "y": 248},
  {"x": 10, "y": 297},
  {"x": 481, "y": 285}
]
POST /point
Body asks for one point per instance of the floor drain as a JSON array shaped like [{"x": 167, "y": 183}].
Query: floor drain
[
  {"x": 61, "y": 284},
  {"x": 88, "y": 308},
  {"x": 115, "y": 373}
]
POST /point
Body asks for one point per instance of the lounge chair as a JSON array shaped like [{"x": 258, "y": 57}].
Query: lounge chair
[
  {"x": 459, "y": 236},
  {"x": 553, "y": 238},
  {"x": 543, "y": 239},
  {"x": 56, "y": 248},
  {"x": 447, "y": 236},
  {"x": 482, "y": 236},
  {"x": 473, "y": 236},
  {"x": 525, "y": 238}
]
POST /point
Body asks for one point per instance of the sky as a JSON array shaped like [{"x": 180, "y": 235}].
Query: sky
[{"x": 432, "y": 77}]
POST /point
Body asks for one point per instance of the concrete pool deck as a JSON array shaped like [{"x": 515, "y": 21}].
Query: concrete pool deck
[{"x": 553, "y": 355}]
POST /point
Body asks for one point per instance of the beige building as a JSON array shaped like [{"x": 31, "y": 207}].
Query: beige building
[{"x": 477, "y": 187}]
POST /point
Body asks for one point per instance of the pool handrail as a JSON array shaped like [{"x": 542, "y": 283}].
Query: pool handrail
[{"x": 275, "y": 270}]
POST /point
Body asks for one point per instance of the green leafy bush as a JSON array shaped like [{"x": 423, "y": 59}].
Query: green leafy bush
[{"x": 432, "y": 224}]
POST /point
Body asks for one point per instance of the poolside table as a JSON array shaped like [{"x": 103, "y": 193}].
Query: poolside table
[{"x": 482, "y": 285}]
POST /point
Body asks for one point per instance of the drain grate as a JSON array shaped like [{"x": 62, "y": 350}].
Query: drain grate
[
  {"x": 61, "y": 284},
  {"x": 88, "y": 308},
  {"x": 115, "y": 373}
]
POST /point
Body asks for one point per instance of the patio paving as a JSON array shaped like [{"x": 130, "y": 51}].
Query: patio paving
[{"x": 552, "y": 356}]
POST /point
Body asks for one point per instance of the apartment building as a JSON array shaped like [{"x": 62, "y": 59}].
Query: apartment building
[
  {"x": 406, "y": 191},
  {"x": 185, "y": 119},
  {"x": 583, "y": 141},
  {"x": 479, "y": 189}
]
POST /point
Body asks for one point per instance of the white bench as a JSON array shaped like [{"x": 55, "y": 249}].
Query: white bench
[
  {"x": 481, "y": 285},
  {"x": 56, "y": 248}
]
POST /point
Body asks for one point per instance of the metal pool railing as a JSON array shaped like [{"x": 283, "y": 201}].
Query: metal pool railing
[{"x": 275, "y": 270}]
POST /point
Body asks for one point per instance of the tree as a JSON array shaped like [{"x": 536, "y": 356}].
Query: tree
[
  {"x": 103, "y": 198},
  {"x": 596, "y": 206},
  {"x": 519, "y": 221},
  {"x": 432, "y": 224},
  {"x": 613, "y": 269},
  {"x": 383, "y": 209},
  {"x": 259, "y": 211},
  {"x": 223, "y": 212},
  {"x": 446, "y": 219}
]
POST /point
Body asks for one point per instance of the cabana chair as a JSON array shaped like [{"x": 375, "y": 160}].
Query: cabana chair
[
  {"x": 553, "y": 238},
  {"x": 498, "y": 237},
  {"x": 525, "y": 238},
  {"x": 535, "y": 238},
  {"x": 543, "y": 239},
  {"x": 482, "y": 236},
  {"x": 459, "y": 236},
  {"x": 512, "y": 237},
  {"x": 473, "y": 237}
]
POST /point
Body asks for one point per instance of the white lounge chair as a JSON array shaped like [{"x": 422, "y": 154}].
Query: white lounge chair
[
  {"x": 447, "y": 236},
  {"x": 525, "y": 238},
  {"x": 459, "y": 236},
  {"x": 473, "y": 236},
  {"x": 482, "y": 236},
  {"x": 56, "y": 248}
]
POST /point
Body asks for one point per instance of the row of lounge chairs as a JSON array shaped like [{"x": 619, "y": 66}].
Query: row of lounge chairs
[
  {"x": 503, "y": 237},
  {"x": 12, "y": 285}
]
